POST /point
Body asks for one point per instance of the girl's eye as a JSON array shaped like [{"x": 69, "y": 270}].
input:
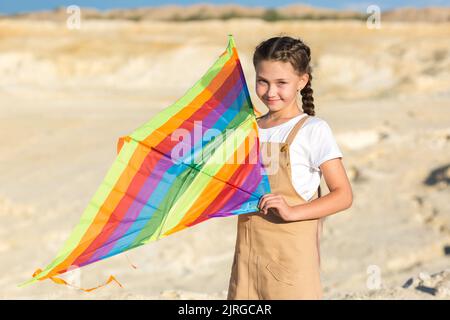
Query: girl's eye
[{"x": 263, "y": 81}]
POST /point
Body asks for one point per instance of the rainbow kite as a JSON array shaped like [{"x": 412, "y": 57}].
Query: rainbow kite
[{"x": 195, "y": 160}]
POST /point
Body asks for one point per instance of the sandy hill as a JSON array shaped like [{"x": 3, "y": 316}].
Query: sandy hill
[{"x": 204, "y": 11}]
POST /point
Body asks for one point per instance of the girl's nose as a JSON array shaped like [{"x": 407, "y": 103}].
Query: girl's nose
[{"x": 271, "y": 92}]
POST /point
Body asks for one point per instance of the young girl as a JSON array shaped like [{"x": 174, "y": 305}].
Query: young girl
[{"x": 277, "y": 249}]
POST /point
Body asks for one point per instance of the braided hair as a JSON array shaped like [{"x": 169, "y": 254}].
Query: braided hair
[{"x": 295, "y": 51}]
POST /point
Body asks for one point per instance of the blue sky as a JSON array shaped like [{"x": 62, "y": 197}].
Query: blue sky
[{"x": 15, "y": 6}]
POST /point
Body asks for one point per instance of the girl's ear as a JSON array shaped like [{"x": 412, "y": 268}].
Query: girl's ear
[
  {"x": 303, "y": 81},
  {"x": 305, "y": 78}
]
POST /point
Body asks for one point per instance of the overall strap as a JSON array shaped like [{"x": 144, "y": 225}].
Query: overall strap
[{"x": 294, "y": 130}]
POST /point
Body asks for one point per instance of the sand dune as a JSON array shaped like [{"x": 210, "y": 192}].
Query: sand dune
[
  {"x": 96, "y": 56},
  {"x": 205, "y": 11}
]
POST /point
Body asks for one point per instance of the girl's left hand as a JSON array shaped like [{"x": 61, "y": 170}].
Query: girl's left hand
[{"x": 277, "y": 202}]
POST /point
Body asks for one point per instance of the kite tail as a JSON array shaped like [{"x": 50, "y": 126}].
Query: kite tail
[{"x": 65, "y": 283}]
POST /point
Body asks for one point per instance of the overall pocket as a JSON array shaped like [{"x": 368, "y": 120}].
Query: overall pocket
[
  {"x": 274, "y": 280},
  {"x": 279, "y": 273}
]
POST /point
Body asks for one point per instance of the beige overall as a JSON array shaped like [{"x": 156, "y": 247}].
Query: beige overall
[{"x": 275, "y": 259}]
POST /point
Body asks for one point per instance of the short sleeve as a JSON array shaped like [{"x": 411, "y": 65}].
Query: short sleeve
[{"x": 323, "y": 145}]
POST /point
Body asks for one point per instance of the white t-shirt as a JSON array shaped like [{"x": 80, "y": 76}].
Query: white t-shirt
[{"x": 313, "y": 145}]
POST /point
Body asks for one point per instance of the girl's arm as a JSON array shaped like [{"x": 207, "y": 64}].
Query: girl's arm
[{"x": 339, "y": 198}]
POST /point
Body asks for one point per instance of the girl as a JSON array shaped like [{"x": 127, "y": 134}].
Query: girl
[{"x": 277, "y": 249}]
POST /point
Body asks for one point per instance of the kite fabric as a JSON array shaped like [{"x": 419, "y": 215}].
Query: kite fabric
[{"x": 195, "y": 160}]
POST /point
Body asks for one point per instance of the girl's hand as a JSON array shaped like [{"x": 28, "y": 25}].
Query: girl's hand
[{"x": 278, "y": 204}]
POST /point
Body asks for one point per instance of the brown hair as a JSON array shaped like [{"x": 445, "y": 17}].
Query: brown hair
[{"x": 295, "y": 51}]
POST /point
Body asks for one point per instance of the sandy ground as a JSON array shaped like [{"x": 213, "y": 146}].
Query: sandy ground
[{"x": 67, "y": 95}]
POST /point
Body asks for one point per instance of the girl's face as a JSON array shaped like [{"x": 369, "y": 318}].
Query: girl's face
[{"x": 277, "y": 84}]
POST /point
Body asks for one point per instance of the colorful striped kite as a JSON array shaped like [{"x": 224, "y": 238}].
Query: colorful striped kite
[{"x": 195, "y": 160}]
